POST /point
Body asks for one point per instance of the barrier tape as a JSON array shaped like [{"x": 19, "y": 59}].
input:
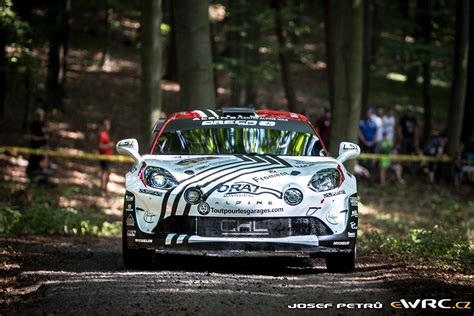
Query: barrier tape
[{"x": 121, "y": 158}]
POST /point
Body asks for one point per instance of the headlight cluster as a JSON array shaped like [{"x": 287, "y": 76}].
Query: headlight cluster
[
  {"x": 325, "y": 180},
  {"x": 159, "y": 178}
]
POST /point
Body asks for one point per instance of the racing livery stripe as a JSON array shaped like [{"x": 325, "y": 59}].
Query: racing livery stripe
[
  {"x": 167, "y": 194},
  {"x": 174, "y": 239},
  {"x": 201, "y": 113},
  {"x": 281, "y": 161},
  {"x": 169, "y": 238},
  {"x": 186, "y": 239},
  {"x": 181, "y": 238},
  {"x": 214, "y": 113},
  {"x": 180, "y": 193}
]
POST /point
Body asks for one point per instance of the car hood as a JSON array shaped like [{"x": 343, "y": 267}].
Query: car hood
[{"x": 277, "y": 171}]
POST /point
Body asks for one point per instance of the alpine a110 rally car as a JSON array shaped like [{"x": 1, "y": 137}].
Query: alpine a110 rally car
[{"x": 238, "y": 181}]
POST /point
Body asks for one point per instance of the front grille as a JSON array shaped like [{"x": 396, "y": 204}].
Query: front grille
[{"x": 243, "y": 227}]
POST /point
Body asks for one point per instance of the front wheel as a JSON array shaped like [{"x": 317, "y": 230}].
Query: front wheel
[{"x": 341, "y": 263}]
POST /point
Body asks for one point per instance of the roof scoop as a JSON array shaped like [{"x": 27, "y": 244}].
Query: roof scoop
[{"x": 238, "y": 112}]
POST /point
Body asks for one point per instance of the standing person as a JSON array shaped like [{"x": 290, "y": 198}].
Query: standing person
[
  {"x": 434, "y": 148},
  {"x": 386, "y": 148},
  {"x": 324, "y": 126},
  {"x": 388, "y": 126},
  {"x": 367, "y": 132},
  {"x": 377, "y": 119},
  {"x": 37, "y": 164},
  {"x": 105, "y": 148},
  {"x": 408, "y": 132}
]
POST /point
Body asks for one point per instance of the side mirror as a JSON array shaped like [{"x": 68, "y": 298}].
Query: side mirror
[
  {"x": 348, "y": 151},
  {"x": 129, "y": 147}
]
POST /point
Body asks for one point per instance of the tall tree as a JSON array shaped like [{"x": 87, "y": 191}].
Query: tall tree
[
  {"x": 3, "y": 69},
  {"x": 424, "y": 16},
  {"x": 367, "y": 50},
  {"x": 150, "y": 105},
  {"x": 468, "y": 127},
  {"x": 193, "y": 43},
  {"x": 236, "y": 50},
  {"x": 346, "y": 63},
  {"x": 459, "y": 77},
  {"x": 284, "y": 57}
]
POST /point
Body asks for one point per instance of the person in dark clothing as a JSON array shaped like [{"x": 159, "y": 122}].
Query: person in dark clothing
[
  {"x": 36, "y": 169},
  {"x": 434, "y": 148},
  {"x": 323, "y": 124},
  {"x": 408, "y": 132}
]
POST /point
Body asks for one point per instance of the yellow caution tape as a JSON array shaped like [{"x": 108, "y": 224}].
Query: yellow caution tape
[
  {"x": 63, "y": 154},
  {"x": 405, "y": 157},
  {"x": 120, "y": 158}
]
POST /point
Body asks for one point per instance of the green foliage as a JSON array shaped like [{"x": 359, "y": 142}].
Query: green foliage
[
  {"x": 41, "y": 218},
  {"x": 432, "y": 227}
]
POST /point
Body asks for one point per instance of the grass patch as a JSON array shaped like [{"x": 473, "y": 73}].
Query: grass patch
[
  {"x": 43, "y": 216},
  {"x": 426, "y": 224}
]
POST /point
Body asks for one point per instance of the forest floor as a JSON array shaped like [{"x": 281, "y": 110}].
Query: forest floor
[{"x": 60, "y": 250}]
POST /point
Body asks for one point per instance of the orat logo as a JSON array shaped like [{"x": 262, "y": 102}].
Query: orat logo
[{"x": 246, "y": 189}]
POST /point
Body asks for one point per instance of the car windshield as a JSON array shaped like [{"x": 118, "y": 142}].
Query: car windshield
[{"x": 238, "y": 140}]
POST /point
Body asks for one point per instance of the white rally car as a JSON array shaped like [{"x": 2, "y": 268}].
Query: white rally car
[{"x": 235, "y": 181}]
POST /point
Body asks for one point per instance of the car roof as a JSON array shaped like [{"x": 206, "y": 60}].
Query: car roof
[{"x": 235, "y": 112}]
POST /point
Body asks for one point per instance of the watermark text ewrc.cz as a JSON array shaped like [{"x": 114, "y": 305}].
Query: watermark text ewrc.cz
[{"x": 401, "y": 304}]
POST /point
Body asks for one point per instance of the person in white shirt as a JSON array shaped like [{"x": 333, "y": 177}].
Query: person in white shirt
[
  {"x": 377, "y": 119},
  {"x": 388, "y": 126}
]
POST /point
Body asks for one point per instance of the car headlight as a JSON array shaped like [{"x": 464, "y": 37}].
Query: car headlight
[
  {"x": 159, "y": 178},
  {"x": 325, "y": 180}
]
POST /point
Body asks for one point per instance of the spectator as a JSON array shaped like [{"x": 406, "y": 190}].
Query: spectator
[
  {"x": 388, "y": 126},
  {"x": 367, "y": 132},
  {"x": 468, "y": 166},
  {"x": 377, "y": 119},
  {"x": 408, "y": 132},
  {"x": 324, "y": 126},
  {"x": 37, "y": 169},
  {"x": 386, "y": 148},
  {"x": 434, "y": 148},
  {"x": 105, "y": 148}
]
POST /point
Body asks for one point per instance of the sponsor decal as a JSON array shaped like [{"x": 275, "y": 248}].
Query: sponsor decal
[
  {"x": 148, "y": 217},
  {"x": 239, "y": 123},
  {"x": 129, "y": 198},
  {"x": 354, "y": 213},
  {"x": 246, "y": 189},
  {"x": 331, "y": 194},
  {"x": 129, "y": 207},
  {"x": 131, "y": 233},
  {"x": 146, "y": 241},
  {"x": 312, "y": 210},
  {"x": 271, "y": 174},
  {"x": 432, "y": 303},
  {"x": 203, "y": 208},
  {"x": 246, "y": 211},
  {"x": 353, "y": 201},
  {"x": 351, "y": 235},
  {"x": 130, "y": 221},
  {"x": 245, "y": 117},
  {"x": 302, "y": 163},
  {"x": 349, "y": 146},
  {"x": 341, "y": 243},
  {"x": 194, "y": 161},
  {"x": 150, "y": 192},
  {"x": 353, "y": 225},
  {"x": 238, "y": 226},
  {"x": 126, "y": 143}
]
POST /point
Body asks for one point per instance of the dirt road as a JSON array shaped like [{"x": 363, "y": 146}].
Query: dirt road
[{"x": 85, "y": 275}]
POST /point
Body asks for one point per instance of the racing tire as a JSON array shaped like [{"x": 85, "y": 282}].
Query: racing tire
[{"x": 341, "y": 263}]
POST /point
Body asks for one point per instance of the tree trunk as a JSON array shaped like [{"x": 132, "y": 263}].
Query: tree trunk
[
  {"x": 3, "y": 72},
  {"x": 330, "y": 26},
  {"x": 193, "y": 44},
  {"x": 53, "y": 77},
  {"x": 150, "y": 105},
  {"x": 468, "y": 127},
  {"x": 346, "y": 63},
  {"x": 105, "y": 56},
  {"x": 424, "y": 8},
  {"x": 367, "y": 59},
  {"x": 252, "y": 56},
  {"x": 459, "y": 79},
  {"x": 284, "y": 57},
  {"x": 237, "y": 52},
  {"x": 171, "y": 66}
]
